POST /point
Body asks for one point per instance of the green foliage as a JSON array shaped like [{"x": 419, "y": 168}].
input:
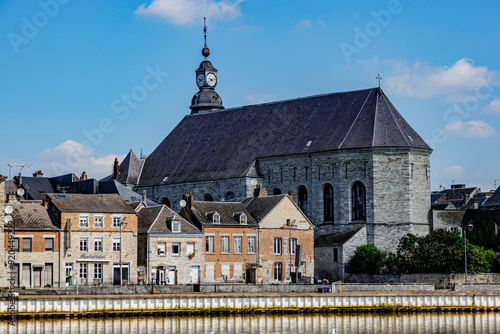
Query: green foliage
[
  {"x": 368, "y": 259},
  {"x": 440, "y": 252},
  {"x": 484, "y": 235}
]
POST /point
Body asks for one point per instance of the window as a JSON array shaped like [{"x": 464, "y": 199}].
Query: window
[
  {"x": 98, "y": 272},
  {"x": 208, "y": 198},
  {"x": 49, "y": 244},
  {"x": 224, "y": 245},
  {"x": 176, "y": 248},
  {"x": 98, "y": 221},
  {"x": 328, "y": 202},
  {"x": 165, "y": 201},
  {"x": 358, "y": 201},
  {"x": 176, "y": 226},
  {"x": 26, "y": 245},
  {"x": 243, "y": 218},
  {"x": 251, "y": 244},
  {"x": 209, "y": 244},
  {"x": 303, "y": 199},
  {"x": 216, "y": 218},
  {"x": 84, "y": 246},
  {"x": 277, "y": 246},
  {"x": 293, "y": 246},
  {"x": 83, "y": 221},
  {"x": 15, "y": 244},
  {"x": 161, "y": 248},
  {"x": 335, "y": 255},
  {"x": 230, "y": 196},
  {"x": 190, "y": 248},
  {"x": 237, "y": 244},
  {"x": 117, "y": 221},
  {"x": 116, "y": 244},
  {"x": 278, "y": 271},
  {"x": 83, "y": 271},
  {"x": 98, "y": 244}
]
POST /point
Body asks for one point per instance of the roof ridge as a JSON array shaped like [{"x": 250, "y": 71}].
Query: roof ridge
[
  {"x": 397, "y": 124},
  {"x": 354, "y": 122}
]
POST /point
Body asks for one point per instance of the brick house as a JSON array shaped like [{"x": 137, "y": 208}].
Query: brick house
[
  {"x": 96, "y": 231},
  {"x": 285, "y": 240},
  {"x": 230, "y": 236},
  {"x": 169, "y": 247},
  {"x": 36, "y": 246}
]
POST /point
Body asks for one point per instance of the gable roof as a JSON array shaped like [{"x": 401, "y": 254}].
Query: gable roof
[
  {"x": 155, "y": 219},
  {"x": 224, "y": 144},
  {"x": 259, "y": 207},
  {"x": 36, "y": 187},
  {"x": 130, "y": 169},
  {"x": 107, "y": 203},
  {"x": 494, "y": 200},
  {"x": 226, "y": 210},
  {"x": 115, "y": 187},
  {"x": 337, "y": 238},
  {"x": 34, "y": 216}
]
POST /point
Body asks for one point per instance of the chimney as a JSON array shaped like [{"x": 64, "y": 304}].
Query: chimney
[
  {"x": 46, "y": 202},
  {"x": 116, "y": 169},
  {"x": 144, "y": 197},
  {"x": 258, "y": 191},
  {"x": 84, "y": 176},
  {"x": 38, "y": 174},
  {"x": 20, "y": 180},
  {"x": 290, "y": 194}
]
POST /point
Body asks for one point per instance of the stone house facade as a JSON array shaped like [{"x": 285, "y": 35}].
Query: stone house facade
[
  {"x": 169, "y": 247},
  {"x": 97, "y": 231},
  {"x": 230, "y": 237},
  {"x": 284, "y": 234}
]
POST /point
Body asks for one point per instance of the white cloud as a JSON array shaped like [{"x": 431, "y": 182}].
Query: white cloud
[
  {"x": 181, "y": 12},
  {"x": 73, "y": 157},
  {"x": 421, "y": 80},
  {"x": 493, "y": 107},
  {"x": 469, "y": 129},
  {"x": 260, "y": 98},
  {"x": 304, "y": 24},
  {"x": 456, "y": 171}
]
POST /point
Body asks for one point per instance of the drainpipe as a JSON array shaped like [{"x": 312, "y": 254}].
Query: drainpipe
[
  {"x": 310, "y": 192},
  {"x": 148, "y": 280},
  {"x": 59, "y": 269}
]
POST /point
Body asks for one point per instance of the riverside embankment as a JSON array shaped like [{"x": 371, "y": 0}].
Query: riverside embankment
[{"x": 29, "y": 306}]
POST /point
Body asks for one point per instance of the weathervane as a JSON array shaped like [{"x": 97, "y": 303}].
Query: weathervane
[
  {"x": 205, "y": 30},
  {"x": 378, "y": 77}
]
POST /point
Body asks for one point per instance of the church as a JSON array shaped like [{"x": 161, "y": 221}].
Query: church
[{"x": 349, "y": 160}]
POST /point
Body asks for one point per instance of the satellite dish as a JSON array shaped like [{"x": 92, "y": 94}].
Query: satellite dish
[
  {"x": 182, "y": 203},
  {"x": 20, "y": 191},
  {"x": 253, "y": 182},
  {"x": 8, "y": 209},
  {"x": 8, "y": 219}
]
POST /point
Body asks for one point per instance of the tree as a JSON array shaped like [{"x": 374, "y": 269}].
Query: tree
[{"x": 368, "y": 259}]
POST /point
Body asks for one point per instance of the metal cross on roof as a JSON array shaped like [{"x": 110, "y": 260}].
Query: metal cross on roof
[
  {"x": 378, "y": 77},
  {"x": 205, "y": 30}
]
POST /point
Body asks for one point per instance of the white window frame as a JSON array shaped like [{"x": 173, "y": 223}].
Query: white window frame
[
  {"x": 83, "y": 271},
  {"x": 224, "y": 244},
  {"x": 162, "y": 248},
  {"x": 277, "y": 246},
  {"x": 83, "y": 220},
  {"x": 98, "y": 271},
  {"x": 96, "y": 240},
  {"x": 243, "y": 219},
  {"x": 251, "y": 243},
  {"x": 117, "y": 220},
  {"x": 86, "y": 243},
  {"x": 292, "y": 249},
  {"x": 117, "y": 244},
  {"x": 237, "y": 244},
  {"x": 216, "y": 218},
  {"x": 178, "y": 249},
  {"x": 190, "y": 248},
  {"x": 209, "y": 241},
  {"x": 98, "y": 217},
  {"x": 176, "y": 223}
]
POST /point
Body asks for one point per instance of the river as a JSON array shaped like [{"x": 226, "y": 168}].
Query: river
[{"x": 480, "y": 323}]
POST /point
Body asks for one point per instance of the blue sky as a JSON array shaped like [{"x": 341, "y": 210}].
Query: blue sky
[{"x": 84, "y": 82}]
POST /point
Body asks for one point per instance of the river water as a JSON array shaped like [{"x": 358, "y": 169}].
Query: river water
[{"x": 304, "y": 324}]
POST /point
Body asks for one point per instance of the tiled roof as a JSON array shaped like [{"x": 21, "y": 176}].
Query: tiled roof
[
  {"x": 226, "y": 210},
  {"x": 10, "y": 187},
  {"x": 108, "y": 203},
  {"x": 259, "y": 207},
  {"x": 224, "y": 144},
  {"x": 155, "y": 220},
  {"x": 337, "y": 238},
  {"x": 33, "y": 216}
]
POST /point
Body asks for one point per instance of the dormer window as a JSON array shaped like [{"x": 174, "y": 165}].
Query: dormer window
[
  {"x": 241, "y": 217},
  {"x": 176, "y": 226},
  {"x": 214, "y": 217}
]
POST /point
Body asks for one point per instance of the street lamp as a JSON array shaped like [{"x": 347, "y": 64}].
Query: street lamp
[
  {"x": 468, "y": 227},
  {"x": 122, "y": 222},
  {"x": 294, "y": 227}
]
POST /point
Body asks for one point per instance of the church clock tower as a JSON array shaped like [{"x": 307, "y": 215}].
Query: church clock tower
[{"x": 207, "y": 98}]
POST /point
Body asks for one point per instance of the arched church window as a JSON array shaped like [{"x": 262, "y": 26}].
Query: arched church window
[
  {"x": 358, "y": 199},
  {"x": 230, "y": 196},
  {"x": 328, "y": 202},
  {"x": 277, "y": 191},
  {"x": 165, "y": 201},
  {"x": 303, "y": 199},
  {"x": 208, "y": 198}
]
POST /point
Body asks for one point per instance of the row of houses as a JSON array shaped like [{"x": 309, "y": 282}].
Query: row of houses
[{"x": 101, "y": 239}]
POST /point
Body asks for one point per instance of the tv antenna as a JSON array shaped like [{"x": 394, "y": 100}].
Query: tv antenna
[
  {"x": 20, "y": 170},
  {"x": 495, "y": 184}
]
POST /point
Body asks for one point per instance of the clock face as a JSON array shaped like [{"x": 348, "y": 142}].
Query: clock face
[
  {"x": 211, "y": 79},
  {"x": 200, "y": 80}
]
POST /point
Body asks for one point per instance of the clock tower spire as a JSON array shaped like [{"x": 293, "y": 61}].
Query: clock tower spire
[{"x": 207, "y": 98}]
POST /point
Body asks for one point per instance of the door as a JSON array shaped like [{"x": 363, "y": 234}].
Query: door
[
  {"x": 209, "y": 272},
  {"x": 116, "y": 275},
  {"x": 49, "y": 274},
  {"x": 26, "y": 275},
  {"x": 195, "y": 274},
  {"x": 125, "y": 277},
  {"x": 69, "y": 274},
  {"x": 37, "y": 277},
  {"x": 161, "y": 277},
  {"x": 15, "y": 274},
  {"x": 251, "y": 275},
  {"x": 171, "y": 276}
]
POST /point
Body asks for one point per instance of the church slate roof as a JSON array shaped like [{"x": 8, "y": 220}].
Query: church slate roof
[
  {"x": 224, "y": 144},
  {"x": 130, "y": 169}
]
